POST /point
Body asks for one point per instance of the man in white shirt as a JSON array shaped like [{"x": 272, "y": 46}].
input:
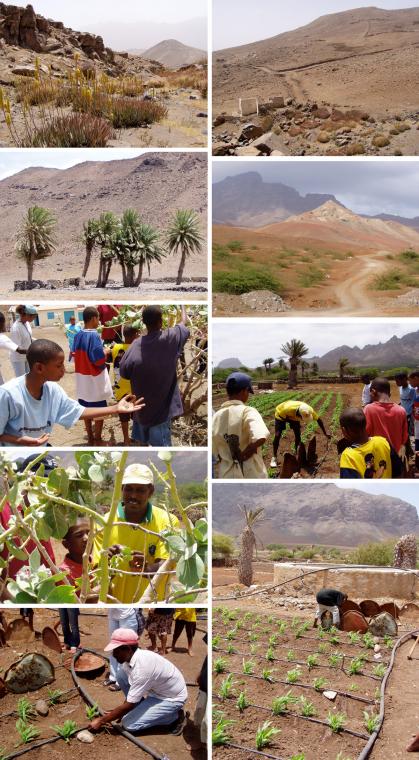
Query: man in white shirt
[
  {"x": 238, "y": 433},
  {"x": 21, "y": 334},
  {"x": 7, "y": 344},
  {"x": 154, "y": 689}
]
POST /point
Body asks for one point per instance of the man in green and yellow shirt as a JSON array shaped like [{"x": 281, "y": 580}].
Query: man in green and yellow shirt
[
  {"x": 148, "y": 551},
  {"x": 293, "y": 413}
]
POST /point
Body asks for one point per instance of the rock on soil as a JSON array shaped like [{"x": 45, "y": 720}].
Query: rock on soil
[
  {"x": 41, "y": 707},
  {"x": 264, "y": 300},
  {"x": 85, "y": 737}
]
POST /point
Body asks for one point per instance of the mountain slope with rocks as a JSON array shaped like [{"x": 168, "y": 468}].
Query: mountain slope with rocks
[
  {"x": 154, "y": 184},
  {"x": 395, "y": 352},
  {"x": 314, "y": 514},
  {"x": 346, "y": 79}
]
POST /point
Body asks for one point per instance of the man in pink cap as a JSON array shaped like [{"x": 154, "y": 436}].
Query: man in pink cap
[{"x": 154, "y": 689}]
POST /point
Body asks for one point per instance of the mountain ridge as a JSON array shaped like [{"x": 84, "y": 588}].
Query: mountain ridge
[{"x": 174, "y": 54}]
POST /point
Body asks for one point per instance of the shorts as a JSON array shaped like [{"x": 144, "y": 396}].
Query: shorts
[
  {"x": 93, "y": 404},
  {"x": 160, "y": 625},
  {"x": 280, "y": 426},
  {"x": 333, "y": 610},
  {"x": 157, "y": 435},
  {"x": 187, "y": 624}
]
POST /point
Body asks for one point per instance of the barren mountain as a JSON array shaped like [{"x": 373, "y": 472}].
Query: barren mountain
[
  {"x": 334, "y": 225},
  {"x": 231, "y": 363},
  {"x": 174, "y": 54},
  {"x": 319, "y": 514},
  {"x": 247, "y": 200},
  {"x": 396, "y": 352},
  {"x": 348, "y": 79},
  {"x": 154, "y": 184}
]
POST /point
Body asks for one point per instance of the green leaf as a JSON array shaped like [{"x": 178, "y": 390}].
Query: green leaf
[
  {"x": 56, "y": 520},
  {"x": 58, "y": 481},
  {"x": 43, "y": 530},
  {"x": 176, "y": 544},
  {"x": 96, "y": 474},
  {"x": 191, "y": 546},
  {"x": 190, "y": 571},
  {"x": 45, "y": 588},
  {"x": 13, "y": 494},
  {"x": 62, "y": 595},
  {"x": 3, "y": 563},
  {"x": 34, "y": 561},
  {"x": 22, "y": 597},
  {"x": 15, "y": 551}
]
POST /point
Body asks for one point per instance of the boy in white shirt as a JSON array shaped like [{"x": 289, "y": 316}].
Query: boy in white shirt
[{"x": 6, "y": 344}]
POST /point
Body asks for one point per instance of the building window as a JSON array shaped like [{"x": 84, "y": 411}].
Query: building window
[{"x": 50, "y": 314}]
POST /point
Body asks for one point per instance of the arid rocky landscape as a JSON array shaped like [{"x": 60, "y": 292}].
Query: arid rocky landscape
[
  {"x": 102, "y": 98},
  {"x": 153, "y": 184},
  {"x": 313, "y": 252},
  {"x": 345, "y": 84}
]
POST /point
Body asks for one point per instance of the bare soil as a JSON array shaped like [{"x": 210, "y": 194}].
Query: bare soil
[
  {"x": 348, "y": 271},
  {"x": 296, "y": 734},
  {"x": 112, "y": 431},
  {"x": 107, "y": 744}
]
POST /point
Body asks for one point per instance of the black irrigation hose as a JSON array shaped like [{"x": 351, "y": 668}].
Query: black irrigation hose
[
  {"x": 306, "y": 686},
  {"x": 367, "y": 749},
  {"x": 254, "y": 751},
  {"x": 14, "y": 712},
  {"x": 38, "y": 745},
  {"x": 300, "y": 662},
  {"x": 91, "y": 702},
  {"x": 289, "y": 714}
]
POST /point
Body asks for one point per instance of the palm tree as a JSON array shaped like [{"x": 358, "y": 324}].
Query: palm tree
[
  {"x": 281, "y": 363},
  {"x": 183, "y": 235},
  {"x": 90, "y": 236},
  {"x": 315, "y": 368},
  {"x": 248, "y": 543},
  {"x": 135, "y": 244},
  {"x": 304, "y": 365},
  {"x": 107, "y": 226},
  {"x": 268, "y": 363},
  {"x": 343, "y": 364},
  {"x": 295, "y": 350},
  {"x": 35, "y": 239}
]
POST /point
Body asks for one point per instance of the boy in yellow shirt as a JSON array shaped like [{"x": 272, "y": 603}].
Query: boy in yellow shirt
[
  {"x": 184, "y": 618},
  {"x": 293, "y": 413},
  {"x": 122, "y": 387},
  {"x": 362, "y": 456}
]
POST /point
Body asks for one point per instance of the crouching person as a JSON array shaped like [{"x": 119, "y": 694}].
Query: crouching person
[
  {"x": 154, "y": 689},
  {"x": 329, "y": 602}
]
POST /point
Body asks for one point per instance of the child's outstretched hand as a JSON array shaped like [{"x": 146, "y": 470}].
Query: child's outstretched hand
[
  {"x": 26, "y": 440},
  {"x": 130, "y": 404}
]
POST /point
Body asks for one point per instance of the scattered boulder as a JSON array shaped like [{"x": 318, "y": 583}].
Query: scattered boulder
[
  {"x": 222, "y": 149},
  {"x": 247, "y": 150},
  {"x": 277, "y": 101},
  {"x": 218, "y": 121},
  {"x": 330, "y": 695},
  {"x": 30, "y": 70},
  {"x": 264, "y": 300},
  {"x": 250, "y": 132},
  {"x": 268, "y": 142}
]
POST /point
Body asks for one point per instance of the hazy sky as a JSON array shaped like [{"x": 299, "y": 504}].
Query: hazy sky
[
  {"x": 236, "y": 22},
  {"x": 252, "y": 342},
  {"x": 128, "y": 24},
  {"x": 12, "y": 161},
  {"x": 366, "y": 187}
]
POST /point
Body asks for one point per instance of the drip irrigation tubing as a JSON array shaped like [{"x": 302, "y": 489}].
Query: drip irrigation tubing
[
  {"x": 40, "y": 744},
  {"x": 245, "y": 595},
  {"x": 86, "y": 696},
  {"x": 294, "y": 662},
  {"x": 289, "y": 714},
  {"x": 14, "y": 712},
  {"x": 306, "y": 686},
  {"x": 402, "y": 640},
  {"x": 254, "y": 751}
]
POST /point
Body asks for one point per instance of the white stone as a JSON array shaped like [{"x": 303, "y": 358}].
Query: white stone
[
  {"x": 331, "y": 695},
  {"x": 85, "y": 737},
  {"x": 377, "y": 648}
]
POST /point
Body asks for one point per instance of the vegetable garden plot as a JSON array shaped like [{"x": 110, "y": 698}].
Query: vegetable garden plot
[
  {"x": 44, "y": 508},
  {"x": 270, "y": 670}
]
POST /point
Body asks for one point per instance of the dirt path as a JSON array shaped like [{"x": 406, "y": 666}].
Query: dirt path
[
  {"x": 353, "y": 292},
  {"x": 401, "y": 716}
]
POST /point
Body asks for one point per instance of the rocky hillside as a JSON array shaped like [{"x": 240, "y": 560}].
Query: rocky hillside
[
  {"x": 396, "y": 352},
  {"x": 315, "y": 514},
  {"x": 174, "y": 54},
  {"x": 155, "y": 184}
]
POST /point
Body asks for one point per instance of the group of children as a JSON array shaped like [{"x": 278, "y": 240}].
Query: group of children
[{"x": 376, "y": 437}]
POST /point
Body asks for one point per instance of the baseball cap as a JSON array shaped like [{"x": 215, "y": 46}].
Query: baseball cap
[
  {"x": 48, "y": 461},
  {"x": 305, "y": 411},
  {"x": 239, "y": 381},
  {"x": 138, "y": 473},
  {"x": 122, "y": 637},
  {"x": 29, "y": 309}
]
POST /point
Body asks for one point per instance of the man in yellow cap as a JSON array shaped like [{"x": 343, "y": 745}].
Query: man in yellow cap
[
  {"x": 294, "y": 413},
  {"x": 148, "y": 551}
]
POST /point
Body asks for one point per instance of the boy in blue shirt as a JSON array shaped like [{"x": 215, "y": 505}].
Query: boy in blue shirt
[
  {"x": 407, "y": 397},
  {"x": 30, "y": 405}
]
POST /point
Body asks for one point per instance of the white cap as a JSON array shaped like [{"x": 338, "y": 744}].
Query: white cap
[
  {"x": 138, "y": 473},
  {"x": 305, "y": 411}
]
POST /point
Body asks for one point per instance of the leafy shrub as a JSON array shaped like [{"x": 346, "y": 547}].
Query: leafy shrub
[
  {"x": 235, "y": 245},
  {"x": 311, "y": 277},
  {"x": 391, "y": 280},
  {"x": 129, "y": 112},
  {"x": 380, "y": 553},
  {"x": 244, "y": 281},
  {"x": 76, "y": 130},
  {"x": 222, "y": 544}
]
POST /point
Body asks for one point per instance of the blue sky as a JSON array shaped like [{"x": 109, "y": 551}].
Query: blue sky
[{"x": 236, "y": 22}]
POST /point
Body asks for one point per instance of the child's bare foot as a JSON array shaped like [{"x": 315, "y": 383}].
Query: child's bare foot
[{"x": 190, "y": 653}]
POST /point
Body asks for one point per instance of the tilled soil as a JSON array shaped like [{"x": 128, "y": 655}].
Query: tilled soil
[
  {"x": 107, "y": 744},
  {"x": 296, "y": 734}
]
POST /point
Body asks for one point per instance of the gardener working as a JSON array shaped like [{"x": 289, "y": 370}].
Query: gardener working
[
  {"x": 148, "y": 550},
  {"x": 238, "y": 432},
  {"x": 294, "y": 413},
  {"x": 154, "y": 689},
  {"x": 329, "y": 602}
]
